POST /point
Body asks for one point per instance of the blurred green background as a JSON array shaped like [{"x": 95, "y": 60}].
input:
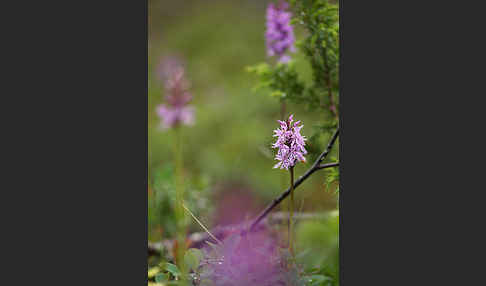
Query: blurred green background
[{"x": 227, "y": 155}]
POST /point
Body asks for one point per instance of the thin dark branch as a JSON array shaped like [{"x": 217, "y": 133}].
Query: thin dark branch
[
  {"x": 329, "y": 165},
  {"x": 276, "y": 201},
  {"x": 315, "y": 167},
  {"x": 278, "y": 217},
  {"x": 328, "y": 149},
  {"x": 198, "y": 239}
]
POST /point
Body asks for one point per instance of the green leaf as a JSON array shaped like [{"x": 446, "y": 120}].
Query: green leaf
[
  {"x": 312, "y": 270},
  {"x": 172, "y": 269},
  {"x": 277, "y": 93},
  {"x": 153, "y": 271},
  {"x": 161, "y": 277},
  {"x": 193, "y": 257},
  {"x": 315, "y": 280}
]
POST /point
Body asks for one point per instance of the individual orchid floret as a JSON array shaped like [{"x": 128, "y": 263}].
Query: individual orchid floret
[
  {"x": 176, "y": 111},
  {"x": 279, "y": 34},
  {"x": 290, "y": 144}
]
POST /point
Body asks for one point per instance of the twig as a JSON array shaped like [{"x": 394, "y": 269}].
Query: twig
[
  {"x": 282, "y": 216},
  {"x": 197, "y": 239},
  {"x": 202, "y": 225},
  {"x": 329, "y": 165},
  {"x": 328, "y": 149},
  {"x": 316, "y": 166}
]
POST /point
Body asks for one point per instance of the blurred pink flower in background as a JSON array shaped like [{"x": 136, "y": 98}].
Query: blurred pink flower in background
[
  {"x": 279, "y": 35},
  {"x": 176, "y": 111}
]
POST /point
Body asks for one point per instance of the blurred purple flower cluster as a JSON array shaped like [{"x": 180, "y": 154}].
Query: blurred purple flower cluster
[
  {"x": 251, "y": 259},
  {"x": 177, "y": 110},
  {"x": 290, "y": 143},
  {"x": 279, "y": 34}
]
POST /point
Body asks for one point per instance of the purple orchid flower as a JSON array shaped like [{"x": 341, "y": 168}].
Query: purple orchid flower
[
  {"x": 279, "y": 34},
  {"x": 290, "y": 144}
]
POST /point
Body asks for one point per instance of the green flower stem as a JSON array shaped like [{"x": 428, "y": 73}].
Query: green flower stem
[
  {"x": 179, "y": 211},
  {"x": 297, "y": 183},
  {"x": 291, "y": 211},
  {"x": 284, "y": 177}
]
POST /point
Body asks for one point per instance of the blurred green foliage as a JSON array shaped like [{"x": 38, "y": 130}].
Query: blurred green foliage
[
  {"x": 231, "y": 139},
  {"x": 220, "y": 41},
  {"x": 163, "y": 197},
  {"x": 318, "y": 242}
]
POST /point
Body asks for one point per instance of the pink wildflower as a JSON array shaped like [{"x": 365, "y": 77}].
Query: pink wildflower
[
  {"x": 279, "y": 34},
  {"x": 290, "y": 144},
  {"x": 177, "y": 110}
]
